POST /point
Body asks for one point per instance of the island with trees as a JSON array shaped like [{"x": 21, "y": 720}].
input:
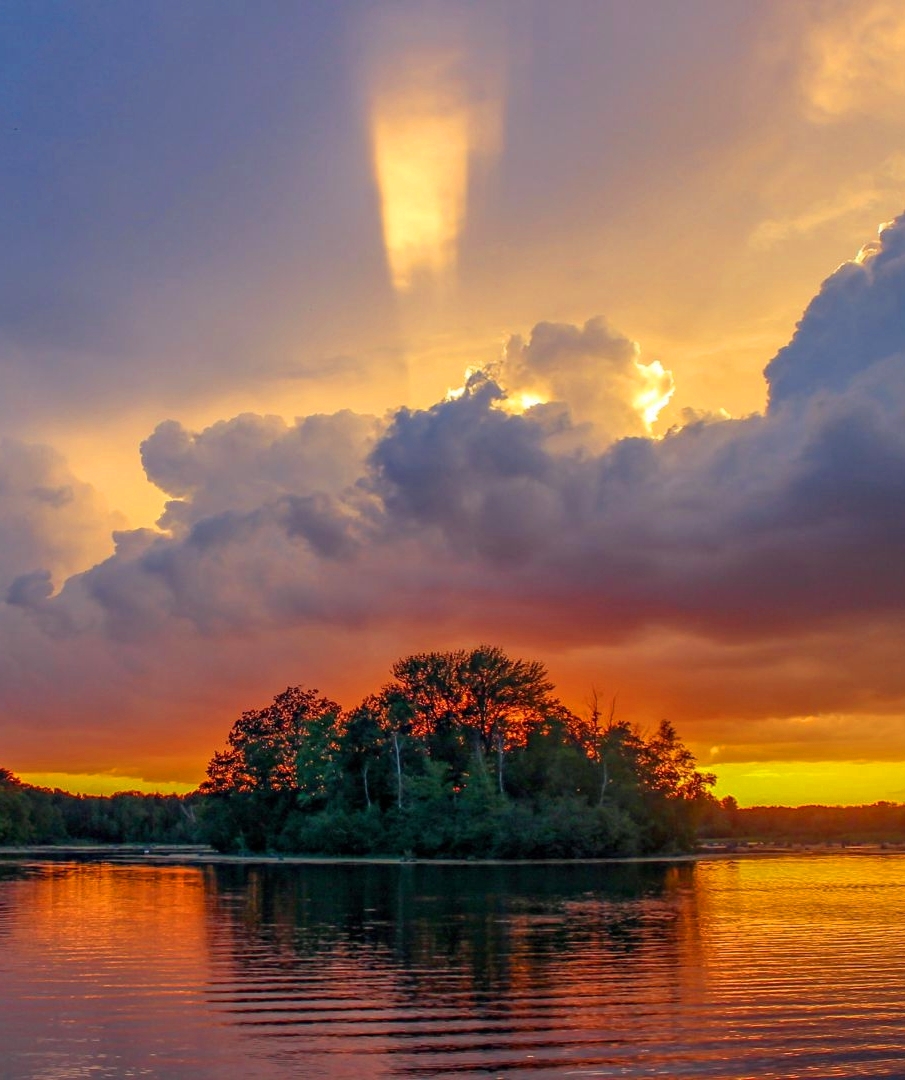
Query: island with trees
[{"x": 462, "y": 754}]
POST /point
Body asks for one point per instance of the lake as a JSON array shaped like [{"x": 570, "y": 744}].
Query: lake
[{"x": 786, "y": 966}]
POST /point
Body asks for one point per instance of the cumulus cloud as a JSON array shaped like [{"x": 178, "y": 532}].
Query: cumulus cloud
[
  {"x": 856, "y": 322},
  {"x": 51, "y": 523},
  {"x": 238, "y": 465},
  {"x": 762, "y": 544},
  {"x": 594, "y": 370}
]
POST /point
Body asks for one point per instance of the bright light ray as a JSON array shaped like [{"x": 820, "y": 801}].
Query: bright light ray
[
  {"x": 656, "y": 392},
  {"x": 421, "y": 149},
  {"x": 427, "y": 124}
]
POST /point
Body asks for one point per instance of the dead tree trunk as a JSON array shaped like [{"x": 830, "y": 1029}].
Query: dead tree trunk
[{"x": 398, "y": 754}]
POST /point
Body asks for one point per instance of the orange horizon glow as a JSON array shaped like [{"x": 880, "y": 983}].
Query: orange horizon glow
[
  {"x": 751, "y": 783},
  {"x": 104, "y": 783}
]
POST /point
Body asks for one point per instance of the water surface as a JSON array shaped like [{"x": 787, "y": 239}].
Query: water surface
[{"x": 773, "y": 967}]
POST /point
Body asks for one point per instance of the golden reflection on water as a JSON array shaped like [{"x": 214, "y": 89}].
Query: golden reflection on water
[{"x": 773, "y": 968}]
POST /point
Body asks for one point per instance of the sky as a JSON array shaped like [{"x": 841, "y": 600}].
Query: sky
[{"x": 331, "y": 332}]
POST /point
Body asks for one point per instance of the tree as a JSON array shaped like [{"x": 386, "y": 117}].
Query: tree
[
  {"x": 669, "y": 768},
  {"x": 15, "y": 818},
  {"x": 479, "y": 700},
  {"x": 287, "y": 746},
  {"x": 408, "y": 769},
  {"x": 675, "y": 790},
  {"x": 374, "y": 734},
  {"x": 277, "y": 757},
  {"x": 9, "y": 779}
]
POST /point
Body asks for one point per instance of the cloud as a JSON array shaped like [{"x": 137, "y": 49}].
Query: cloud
[
  {"x": 240, "y": 464},
  {"x": 51, "y": 523},
  {"x": 854, "y": 60},
  {"x": 594, "y": 370},
  {"x": 760, "y": 546},
  {"x": 853, "y": 330}
]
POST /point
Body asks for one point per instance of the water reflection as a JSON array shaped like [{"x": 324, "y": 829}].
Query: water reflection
[
  {"x": 453, "y": 970},
  {"x": 781, "y": 968}
]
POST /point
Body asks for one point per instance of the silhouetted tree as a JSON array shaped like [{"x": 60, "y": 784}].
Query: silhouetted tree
[
  {"x": 286, "y": 746},
  {"x": 278, "y": 757},
  {"x": 479, "y": 699}
]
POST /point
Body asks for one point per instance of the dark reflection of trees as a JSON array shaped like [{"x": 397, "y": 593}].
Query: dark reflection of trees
[
  {"x": 500, "y": 927},
  {"x": 9, "y": 872}
]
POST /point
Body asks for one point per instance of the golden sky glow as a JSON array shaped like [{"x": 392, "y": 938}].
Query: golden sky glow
[
  {"x": 421, "y": 146},
  {"x": 803, "y": 783},
  {"x": 619, "y": 214},
  {"x": 103, "y": 783}
]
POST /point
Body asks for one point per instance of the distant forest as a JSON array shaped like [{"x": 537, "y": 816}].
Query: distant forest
[{"x": 464, "y": 754}]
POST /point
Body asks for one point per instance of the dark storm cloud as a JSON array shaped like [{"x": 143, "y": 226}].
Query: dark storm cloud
[
  {"x": 856, "y": 321},
  {"x": 474, "y": 519},
  {"x": 738, "y": 528}
]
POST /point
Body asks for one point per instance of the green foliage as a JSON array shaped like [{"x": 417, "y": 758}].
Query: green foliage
[
  {"x": 463, "y": 754},
  {"x": 287, "y": 746},
  {"x": 480, "y": 700},
  {"x": 565, "y": 827},
  {"x": 15, "y": 823},
  {"x": 879, "y": 823},
  {"x": 32, "y": 815},
  {"x": 333, "y": 832}
]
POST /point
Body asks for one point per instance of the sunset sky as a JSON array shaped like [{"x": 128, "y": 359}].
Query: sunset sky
[{"x": 335, "y": 331}]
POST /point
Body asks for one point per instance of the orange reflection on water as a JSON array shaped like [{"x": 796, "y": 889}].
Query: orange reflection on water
[
  {"x": 762, "y": 967},
  {"x": 116, "y": 924},
  {"x": 103, "y": 973}
]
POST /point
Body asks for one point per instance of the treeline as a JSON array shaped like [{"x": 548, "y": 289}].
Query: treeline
[
  {"x": 881, "y": 822},
  {"x": 34, "y": 815},
  {"x": 462, "y": 754}
]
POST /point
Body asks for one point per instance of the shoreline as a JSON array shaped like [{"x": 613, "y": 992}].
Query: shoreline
[{"x": 198, "y": 855}]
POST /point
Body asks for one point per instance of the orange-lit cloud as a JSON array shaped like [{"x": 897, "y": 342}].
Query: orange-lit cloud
[
  {"x": 855, "y": 59},
  {"x": 593, "y": 370},
  {"x": 715, "y": 575}
]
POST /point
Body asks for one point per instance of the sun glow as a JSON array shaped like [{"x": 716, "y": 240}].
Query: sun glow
[
  {"x": 804, "y": 783},
  {"x": 521, "y": 402},
  {"x": 657, "y": 389}
]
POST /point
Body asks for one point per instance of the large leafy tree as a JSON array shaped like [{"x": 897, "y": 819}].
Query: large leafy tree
[
  {"x": 674, "y": 790},
  {"x": 475, "y": 701},
  {"x": 669, "y": 768},
  {"x": 291, "y": 745}
]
